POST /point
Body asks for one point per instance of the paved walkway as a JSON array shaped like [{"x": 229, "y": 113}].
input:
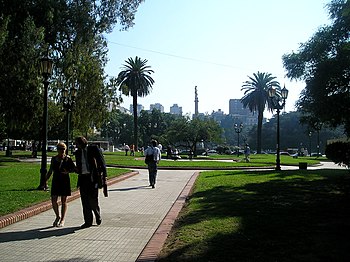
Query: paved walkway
[{"x": 131, "y": 216}]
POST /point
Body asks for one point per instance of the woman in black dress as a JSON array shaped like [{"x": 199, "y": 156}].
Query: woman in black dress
[{"x": 61, "y": 166}]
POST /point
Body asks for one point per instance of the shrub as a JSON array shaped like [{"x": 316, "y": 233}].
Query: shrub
[{"x": 339, "y": 153}]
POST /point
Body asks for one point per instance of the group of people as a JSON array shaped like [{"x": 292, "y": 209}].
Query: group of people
[
  {"x": 91, "y": 169},
  {"x": 92, "y": 174}
]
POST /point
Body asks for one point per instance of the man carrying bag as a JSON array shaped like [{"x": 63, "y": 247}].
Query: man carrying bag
[{"x": 152, "y": 158}]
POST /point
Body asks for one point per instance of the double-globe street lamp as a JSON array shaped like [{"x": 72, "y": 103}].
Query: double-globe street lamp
[
  {"x": 68, "y": 96},
  {"x": 238, "y": 130},
  {"x": 46, "y": 66},
  {"x": 278, "y": 101}
]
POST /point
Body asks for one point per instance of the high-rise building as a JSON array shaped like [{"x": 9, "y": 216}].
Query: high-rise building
[
  {"x": 139, "y": 108},
  {"x": 236, "y": 108},
  {"x": 157, "y": 106},
  {"x": 176, "y": 110},
  {"x": 241, "y": 114},
  {"x": 218, "y": 115}
]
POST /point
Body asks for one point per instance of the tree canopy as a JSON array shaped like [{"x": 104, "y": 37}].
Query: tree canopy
[
  {"x": 72, "y": 34},
  {"x": 323, "y": 62},
  {"x": 256, "y": 97}
]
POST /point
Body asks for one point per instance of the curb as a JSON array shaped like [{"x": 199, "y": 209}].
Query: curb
[
  {"x": 154, "y": 246},
  {"x": 28, "y": 212}
]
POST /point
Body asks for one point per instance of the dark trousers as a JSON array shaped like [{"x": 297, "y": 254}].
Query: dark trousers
[
  {"x": 89, "y": 199},
  {"x": 152, "y": 173}
]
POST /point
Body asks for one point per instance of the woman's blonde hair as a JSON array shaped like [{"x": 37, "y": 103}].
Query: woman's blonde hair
[{"x": 61, "y": 146}]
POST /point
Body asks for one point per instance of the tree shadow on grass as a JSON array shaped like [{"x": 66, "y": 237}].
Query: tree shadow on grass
[{"x": 292, "y": 217}]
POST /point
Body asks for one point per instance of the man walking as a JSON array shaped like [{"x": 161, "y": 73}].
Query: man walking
[
  {"x": 92, "y": 172},
  {"x": 152, "y": 158}
]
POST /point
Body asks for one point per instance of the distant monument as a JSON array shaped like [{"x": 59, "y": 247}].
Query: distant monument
[{"x": 196, "y": 101}]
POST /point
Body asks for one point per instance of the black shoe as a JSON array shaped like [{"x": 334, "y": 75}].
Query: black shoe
[
  {"x": 153, "y": 186},
  {"x": 85, "y": 226},
  {"x": 98, "y": 221}
]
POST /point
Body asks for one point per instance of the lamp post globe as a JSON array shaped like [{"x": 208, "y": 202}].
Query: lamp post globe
[{"x": 46, "y": 67}]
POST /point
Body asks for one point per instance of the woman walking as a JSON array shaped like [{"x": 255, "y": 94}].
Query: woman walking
[{"x": 61, "y": 166}]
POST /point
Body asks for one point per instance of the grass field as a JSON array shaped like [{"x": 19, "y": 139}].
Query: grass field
[
  {"x": 18, "y": 183},
  {"x": 264, "y": 216}
]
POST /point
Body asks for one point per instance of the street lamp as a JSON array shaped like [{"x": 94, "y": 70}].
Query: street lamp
[
  {"x": 310, "y": 134},
  {"x": 278, "y": 102},
  {"x": 68, "y": 95},
  {"x": 238, "y": 130},
  {"x": 46, "y": 66}
]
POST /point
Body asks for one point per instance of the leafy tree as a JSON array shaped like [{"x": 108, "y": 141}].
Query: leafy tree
[
  {"x": 188, "y": 133},
  {"x": 117, "y": 128},
  {"x": 256, "y": 97},
  {"x": 323, "y": 62},
  {"x": 135, "y": 80},
  {"x": 73, "y": 33}
]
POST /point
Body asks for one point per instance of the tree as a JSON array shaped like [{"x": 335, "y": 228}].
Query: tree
[
  {"x": 72, "y": 32},
  {"x": 256, "y": 97},
  {"x": 135, "y": 80},
  {"x": 323, "y": 62},
  {"x": 188, "y": 133}
]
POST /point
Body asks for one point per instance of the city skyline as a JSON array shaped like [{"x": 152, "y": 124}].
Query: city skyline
[{"x": 214, "y": 47}]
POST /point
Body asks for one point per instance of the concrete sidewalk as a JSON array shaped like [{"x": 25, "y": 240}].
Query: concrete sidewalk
[{"x": 131, "y": 216}]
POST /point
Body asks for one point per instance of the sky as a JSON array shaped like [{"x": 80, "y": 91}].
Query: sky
[{"x": 214, "y": 45}]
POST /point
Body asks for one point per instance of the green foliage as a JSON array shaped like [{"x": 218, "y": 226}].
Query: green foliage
[
  {"x": 18, "y": 183},
  {"x": 187, "y": 133},
  {"x": 339, "y": 153},
  {"x": 72, "y": 33},
  {"x": 256, "y": 98},
  {"x": 135, "y": 80},
  {"x": 324, "y": 63}
]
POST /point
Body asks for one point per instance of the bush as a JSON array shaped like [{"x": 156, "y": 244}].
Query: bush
[{"x": 339, "y": 153}]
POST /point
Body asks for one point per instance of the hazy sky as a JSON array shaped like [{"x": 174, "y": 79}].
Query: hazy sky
[{"x": 214, "y": 45}]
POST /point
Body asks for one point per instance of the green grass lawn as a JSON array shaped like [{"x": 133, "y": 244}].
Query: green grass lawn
[
  {"x": 215, "y": 161},
  {"x": 18, "y": 183},
  {"x": 264, "y": 216}
]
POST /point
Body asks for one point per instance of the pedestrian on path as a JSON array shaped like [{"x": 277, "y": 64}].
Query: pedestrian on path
[
  {"x": 92, "y": 172},
  {"x": 152, "y": 159},
  {"x": 61, "y": 166}
]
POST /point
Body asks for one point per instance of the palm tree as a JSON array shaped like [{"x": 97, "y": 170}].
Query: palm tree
[
  {"x": 135, "y": 80},
  {"x": 256, "y": 97}
]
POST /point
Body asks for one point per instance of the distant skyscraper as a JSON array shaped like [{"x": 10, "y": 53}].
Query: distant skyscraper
[
  {"x": 218, "y": 115},
  {"x": 236, "y": 108},
  {"x": 176, "y": 110},
  {"x": 139, "y": 108},
  {"x": 157, "y": 106},
  {"x": 241, "y": 114}
]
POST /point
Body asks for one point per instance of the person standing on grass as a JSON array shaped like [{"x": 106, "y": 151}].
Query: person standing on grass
[
  {"x": 61, "y": 166},
  {"x": 152, "y": 158},
  {"x": 92, "y": 171}
]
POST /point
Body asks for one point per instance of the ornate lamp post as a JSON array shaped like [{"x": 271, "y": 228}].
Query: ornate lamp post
[
  {"x": 68, "y": 95},
  {"x": 238, "y": 130},
  {"x": 278, "y": 102},
  {"x": 46, "y": 66}
]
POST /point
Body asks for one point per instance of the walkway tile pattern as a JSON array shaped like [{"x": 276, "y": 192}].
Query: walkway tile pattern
[{"x": 131, "y": 215}]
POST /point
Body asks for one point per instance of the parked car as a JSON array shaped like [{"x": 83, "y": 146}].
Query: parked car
[
  {"x": 316, "y": 154},
  {"x": 51, "y": 148}
]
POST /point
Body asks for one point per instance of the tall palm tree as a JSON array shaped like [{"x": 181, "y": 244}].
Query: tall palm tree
[
  {"x": 135, "y": 80},
  {"x": 256, "y": 97}
]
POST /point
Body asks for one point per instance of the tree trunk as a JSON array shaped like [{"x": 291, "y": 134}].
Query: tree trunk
[
  {"x": 134, "y": 104},
  {"x": 259, "y": 131}
]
